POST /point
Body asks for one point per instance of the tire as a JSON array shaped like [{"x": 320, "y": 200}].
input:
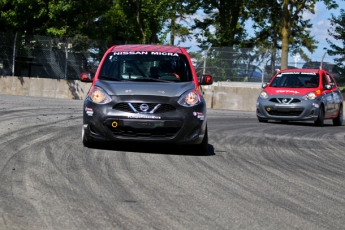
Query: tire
[
  {"x": 262, "y": 120},
  {"x": 203, "y": 146},
  {"x": 338, "y": 121},
  {"x": 320, "y": 118},
  {"x": 86, "y": 141}
]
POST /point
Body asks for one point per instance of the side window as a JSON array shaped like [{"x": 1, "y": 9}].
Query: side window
[
  {"x": 330, "y": 80},
  {"x": 324, "y": 80}
]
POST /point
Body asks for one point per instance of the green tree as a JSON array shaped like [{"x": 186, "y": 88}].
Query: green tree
[
  {"x": 23, "y": 16},
  {"x": 147, "y": 21},
  {"x": 225, "y": 18},
  {"x": 178, "y": 12},
  {"x": 267, "y": 26},
  {"x": 291, "y": 12},
  {"x": 337, "y": 31},
  {"x": 222, "y": 25},
  {"x": 49, "y": 17},
  {"x": 135, "y": 21},
  {"x": 117, "y": 25}
]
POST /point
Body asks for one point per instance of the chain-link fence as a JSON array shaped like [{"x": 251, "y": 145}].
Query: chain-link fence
[
  {"x": 66, "y": 58},
  {"x": 252, "y": 65},
  {"x": 231, "y": 64},
  {"x": 47, "y": 57}
]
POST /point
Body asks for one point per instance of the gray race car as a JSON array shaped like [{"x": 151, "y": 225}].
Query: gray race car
[{"x": 146, "y": 93}]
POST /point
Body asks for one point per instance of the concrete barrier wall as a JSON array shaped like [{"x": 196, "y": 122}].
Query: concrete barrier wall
[
  {"x": 231, "y": 97},
  {"x": 43, "y": 87},
  {"x": 220, "y": 95}
]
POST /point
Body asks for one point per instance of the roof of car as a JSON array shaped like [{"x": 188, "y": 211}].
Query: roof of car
[
  {"x": 148, "y": 48},
  {"x": 301, "y": 70}
]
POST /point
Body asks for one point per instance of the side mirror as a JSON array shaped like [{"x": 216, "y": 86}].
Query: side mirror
[
  {"x": 264, "y": 85},
  {"x": 205, "y": 80},
  {"x": 328, "y": 87},
  {"x": 85, "y": 77}
]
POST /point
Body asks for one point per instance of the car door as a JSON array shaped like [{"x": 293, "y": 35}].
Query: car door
[
  {"x": 335, "y": 94},
  {"x": 328, "y": 98}
]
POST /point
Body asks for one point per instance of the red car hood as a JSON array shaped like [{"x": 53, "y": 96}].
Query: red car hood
[{"x": 289, "y": 91}]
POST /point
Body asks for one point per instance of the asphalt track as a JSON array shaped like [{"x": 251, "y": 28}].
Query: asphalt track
[{"x": 255, "y": 175}]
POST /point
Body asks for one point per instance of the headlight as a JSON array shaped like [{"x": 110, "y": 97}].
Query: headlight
[
  {"x": 309, "y": 96},
  {"x": 98, "y": 95},
  {"x": 190, "y": 98},
  {"x": 263, "y": 94}
]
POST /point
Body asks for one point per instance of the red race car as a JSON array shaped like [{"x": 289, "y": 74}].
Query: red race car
[{"x": 301, "y": 95}]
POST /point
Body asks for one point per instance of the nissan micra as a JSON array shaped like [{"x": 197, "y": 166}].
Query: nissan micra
[
  {"x": 146, "y": 93},
  {"x": 301, "y": 95}
]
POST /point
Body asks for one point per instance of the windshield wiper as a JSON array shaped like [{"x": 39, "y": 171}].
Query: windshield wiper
[
  {"x": 104, "y": 77},
  {"x": 148, "y": 79}
]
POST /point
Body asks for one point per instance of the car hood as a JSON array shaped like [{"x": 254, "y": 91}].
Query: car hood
[
  {"x": 289, "y": 91},
  {"x": 170, "y": 89}
]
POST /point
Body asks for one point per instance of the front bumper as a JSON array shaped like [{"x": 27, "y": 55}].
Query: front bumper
[
  {"x": 182, "y": 126},
  {"x": 301, "y": 110}
]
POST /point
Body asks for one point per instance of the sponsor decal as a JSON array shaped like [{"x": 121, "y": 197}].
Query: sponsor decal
[
  {"x": 164, "y": 54},
  {"x": 199, "y": 115},
  {"x": 286, "y": 105},
  {"x": 131, "y": 53},
  {"x": 89, "y": 111},
  {"x": 291, "y": 73},
  {"x": 316, "y": 105},
  {"x": 144, "y": 117},
  {"x": 287, "y": 91},
  {"x": 145, "y": 53},
  {"x": 307, "y": 73}
]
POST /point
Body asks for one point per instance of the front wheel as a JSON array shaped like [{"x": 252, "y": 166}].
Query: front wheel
[
  {"x": 202, "y": 147},
  {"x": 320, "y": 117},
  {"x": 262, "y": 120},
  {"x": 86, "y": 141},
  {"x": 338, "y": 121}
]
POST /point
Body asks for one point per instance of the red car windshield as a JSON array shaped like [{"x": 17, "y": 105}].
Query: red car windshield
[
  {"x": 145, "y": 65},
  {"x": 296, "y": 80}
]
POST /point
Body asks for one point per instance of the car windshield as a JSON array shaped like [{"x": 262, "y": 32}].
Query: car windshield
[
  {"x": 146, "y": 66},
  {"x": 296, "y": 80}
]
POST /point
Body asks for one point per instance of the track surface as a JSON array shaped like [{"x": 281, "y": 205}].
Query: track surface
[{"x": 255, "y": 176}]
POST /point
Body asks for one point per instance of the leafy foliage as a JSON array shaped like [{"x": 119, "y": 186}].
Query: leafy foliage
[
  {"x": 337, "y": 31},
  {"x": 278, "y": 25}
]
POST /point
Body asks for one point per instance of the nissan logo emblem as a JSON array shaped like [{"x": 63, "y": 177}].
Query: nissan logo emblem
[{"x": 144, "y": 107}]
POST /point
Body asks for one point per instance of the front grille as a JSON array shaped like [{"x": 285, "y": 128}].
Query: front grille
[
  {"x": 135, "y": 132},
  {"x": 123, "y": 107},
  {"x": 138, "y": 128},
  {"x": 160, "y": 108},
  {"x": 285, "y": 112},
  {"x": 289, "y": 100}
]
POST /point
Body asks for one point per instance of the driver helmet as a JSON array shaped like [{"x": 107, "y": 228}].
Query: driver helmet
[{"x": 167, "y": 66}]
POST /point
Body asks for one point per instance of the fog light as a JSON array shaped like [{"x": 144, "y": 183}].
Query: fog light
[{"x": 114, "y": 124}]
